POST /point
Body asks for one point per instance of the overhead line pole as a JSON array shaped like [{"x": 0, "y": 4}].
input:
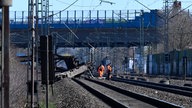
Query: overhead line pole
[
  {"x": 37, "y": 5},
  {"x": 166, "y": 37},
  {"x": 5, "y": 47},
  {"x": 166, "y": 47},
  {"x": 32, "y": 34},
  {"x": 45, "y": 33},
  {"x": 142, "y": 38},
  {"x": 142, "y": 42},
  {"x": 6, "y": 31}
]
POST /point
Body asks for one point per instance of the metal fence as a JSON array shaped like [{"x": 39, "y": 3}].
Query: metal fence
[
  {"x": 88, "y": 17},
  {"x": 179, "y": 63}
]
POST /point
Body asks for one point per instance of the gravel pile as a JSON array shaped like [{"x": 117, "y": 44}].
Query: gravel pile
[
  {"x": 170, "y": 97},
  {"x": 68, "y": 94}
]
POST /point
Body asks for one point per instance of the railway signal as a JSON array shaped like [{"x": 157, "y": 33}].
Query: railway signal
[{"x": 44, "y": 54}]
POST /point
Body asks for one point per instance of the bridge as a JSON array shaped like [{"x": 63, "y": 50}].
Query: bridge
[{"x": 107, "y": 28}]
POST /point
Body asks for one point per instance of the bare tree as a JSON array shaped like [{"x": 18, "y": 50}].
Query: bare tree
[{"x": 179, "y": 32}]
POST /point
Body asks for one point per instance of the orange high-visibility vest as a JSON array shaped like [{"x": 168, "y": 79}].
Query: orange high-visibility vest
[
  {"x": 109, "y": 69},
  {"x": 101, "y": 70}
]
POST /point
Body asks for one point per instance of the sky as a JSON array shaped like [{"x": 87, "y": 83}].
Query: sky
[{"x": 22, "y": 5}]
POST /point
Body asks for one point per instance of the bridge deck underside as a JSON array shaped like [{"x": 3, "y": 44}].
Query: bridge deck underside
[{"x": 116, "y": 37}]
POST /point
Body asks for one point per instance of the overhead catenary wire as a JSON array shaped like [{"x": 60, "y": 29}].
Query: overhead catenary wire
[
  {"x": 142, "y": 4},
  {"x": 115, "y": 13},
  {"x": 71, "y": 30},
  {"x": 57, "y": 35},
  {"x": 64, "y": 9},
  {"x": 64, "y": 22},
  {"x": 96, "y": 29},
  {"x": 161, "y": 16},
  {"x": 77, "y": 5},
  {"x": 148, "y": 8},
  {"x": 155, "y": 1}
]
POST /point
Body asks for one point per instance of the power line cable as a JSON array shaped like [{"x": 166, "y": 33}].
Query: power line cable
[
  {"x": 142, "y": 4},
  {"x": 63, "y": 9},
  {"x": 69, "y": 29},
  {"x": 57, "y": 35},
  {"x": 155, "y": 1},
  {"x": 64, "y": 22},
  {"x": 75, "y": 5}
]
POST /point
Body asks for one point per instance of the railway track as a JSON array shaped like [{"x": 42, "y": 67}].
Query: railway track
[
  {"x": 185, "y": 91},
  {"x": 120, "y": 98}
]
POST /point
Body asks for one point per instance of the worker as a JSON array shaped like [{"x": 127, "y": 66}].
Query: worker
[
  {"x": 101, "y": 70},
  {"x": 109, "y": 70}
]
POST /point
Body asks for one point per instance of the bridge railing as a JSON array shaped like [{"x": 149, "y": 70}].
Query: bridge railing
[{"x": 88, "y": 17}]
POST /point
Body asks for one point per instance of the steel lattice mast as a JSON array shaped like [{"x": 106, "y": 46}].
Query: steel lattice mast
[
  {"x": 45, "y": 32},
  {"x": 31, "y": 47},
  {"x": 166, "y": 36},
  {"x": 38, "y": 10}
]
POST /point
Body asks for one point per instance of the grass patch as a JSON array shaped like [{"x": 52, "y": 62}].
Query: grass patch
[{"x": 50, "y": 105}]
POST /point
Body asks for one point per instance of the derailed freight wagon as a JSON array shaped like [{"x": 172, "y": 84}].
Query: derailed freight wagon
[{"x": 176, "y": 63}]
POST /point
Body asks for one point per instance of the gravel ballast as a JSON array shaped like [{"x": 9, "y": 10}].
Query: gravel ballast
[
  {"x": 68, "y": 94},
  {"x": 71, "y": 95},
  {"x": 170, "y": 97}
]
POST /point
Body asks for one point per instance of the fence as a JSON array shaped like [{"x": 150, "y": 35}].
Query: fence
[{"x": 178, "y": 63}]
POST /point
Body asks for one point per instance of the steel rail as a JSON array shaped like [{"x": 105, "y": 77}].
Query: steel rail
[
  {"x": 110, "y": 101},
  {"x": 185, "y": 91},
  {"x": 152, "y": 101}
]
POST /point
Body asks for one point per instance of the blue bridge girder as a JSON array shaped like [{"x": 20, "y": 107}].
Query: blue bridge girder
[{"x": 98, "y": 28}]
